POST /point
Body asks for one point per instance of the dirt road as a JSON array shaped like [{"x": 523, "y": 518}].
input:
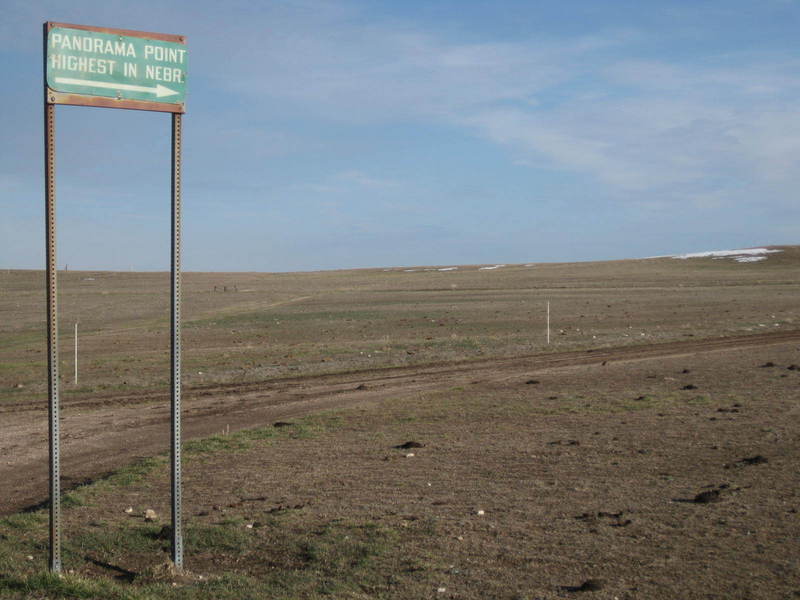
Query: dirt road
[{"x": 103, "y": 433}]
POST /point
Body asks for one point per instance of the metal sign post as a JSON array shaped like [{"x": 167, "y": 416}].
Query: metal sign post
[
  {"x": 52, "y": 335},
  {"x": 113, "y": 68},
  {"x": 175, "y": 327}
]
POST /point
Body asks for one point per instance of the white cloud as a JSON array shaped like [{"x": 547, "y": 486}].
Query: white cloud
[
  {"x": 335, "y": 65},
  {"x": 648, "y": 130},
  {"x": 690, "y": 132}
]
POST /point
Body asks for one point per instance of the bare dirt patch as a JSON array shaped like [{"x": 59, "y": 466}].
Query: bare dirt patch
[{"x": 601, "y": 480}]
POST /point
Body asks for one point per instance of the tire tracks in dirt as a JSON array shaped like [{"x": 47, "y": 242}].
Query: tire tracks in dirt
[
  {"x": 539, "y": 360},
  {"x": 102, "y": 434}
]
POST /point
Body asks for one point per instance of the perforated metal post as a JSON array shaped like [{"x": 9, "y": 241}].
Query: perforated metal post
[
  {"x": 52, "y": 335},
  {"x": 177, "y": 527}
]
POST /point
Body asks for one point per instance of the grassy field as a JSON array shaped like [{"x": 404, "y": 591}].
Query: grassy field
[
  {"x": 542, "y": 483},
  {"x": 240, "y": 327}
]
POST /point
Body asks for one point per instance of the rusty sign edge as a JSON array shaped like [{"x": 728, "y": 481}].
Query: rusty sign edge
[
  {"x": 164, "y": 37},
  {"x": 54, "y": 97}
]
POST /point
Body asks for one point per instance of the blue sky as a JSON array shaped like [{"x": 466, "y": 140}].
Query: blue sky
[{"x": 344, "y": 134}]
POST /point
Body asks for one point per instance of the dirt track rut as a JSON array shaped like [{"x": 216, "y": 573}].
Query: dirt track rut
[{"x": 104, "y": 433}]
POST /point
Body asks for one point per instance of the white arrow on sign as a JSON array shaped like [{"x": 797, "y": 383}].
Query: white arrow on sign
[{"x": 160, "y": 90}]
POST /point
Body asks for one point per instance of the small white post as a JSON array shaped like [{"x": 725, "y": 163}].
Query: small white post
[
  {"x": 548, "y": 322},
  {"x": 76, "y": 353}
]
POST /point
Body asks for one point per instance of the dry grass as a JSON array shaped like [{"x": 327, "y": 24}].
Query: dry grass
[{"x": 275, "y": 325}]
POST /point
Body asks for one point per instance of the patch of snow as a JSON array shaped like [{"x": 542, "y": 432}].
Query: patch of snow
[
  {"x": 735, "y": 254},
  {"x": 490, "y": 268},
  {"x": 448, "y": 269},
  {"x": 749, "y": 258},
  {"x": 410, "y": 270}
]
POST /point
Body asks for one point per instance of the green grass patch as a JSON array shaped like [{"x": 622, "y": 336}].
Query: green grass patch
[
  {"x": 73, "y": 499},
  {"x": 48, "y": 585},
  {"x": 334, "y": 559},
  {"x": 135, "y": 472},
  {"x": 119, "y": 557},
  {"x": 214, "y": 444},
  {"x": 114, "y": 543},
  {"x": 229, "y": 537},
  {"x": 24, "y": 521},
  {"x": 240, "y": 441}
]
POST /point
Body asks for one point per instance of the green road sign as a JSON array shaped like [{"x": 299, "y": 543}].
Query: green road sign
[{"x": 116, "y": 64}]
